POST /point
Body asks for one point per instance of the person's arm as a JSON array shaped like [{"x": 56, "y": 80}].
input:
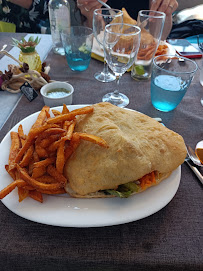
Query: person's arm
[
  {"x": 168, "y": 7},
  {"x": 87, "y": 8},
  {"x": 22, "y": 3}
]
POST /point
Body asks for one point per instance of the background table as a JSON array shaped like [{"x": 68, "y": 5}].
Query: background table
[{"x": 166, "y": 240}]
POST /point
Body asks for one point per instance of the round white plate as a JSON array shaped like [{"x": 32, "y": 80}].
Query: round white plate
[{"x": 63, "y": 211}]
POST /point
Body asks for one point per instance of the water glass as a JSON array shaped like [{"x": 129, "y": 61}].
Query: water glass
[
  {"x": 101, "y": 18},
  {"x": 77, "y": 42},
  {"x": 170, "y": 79},
  {"x": 151, "y": 24},
  {"x": 121, "y": 44}
]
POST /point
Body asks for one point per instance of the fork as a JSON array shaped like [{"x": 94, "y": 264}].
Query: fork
[
  {"x": 200, "y": 44},
  {"x": 194, "y": 169}
]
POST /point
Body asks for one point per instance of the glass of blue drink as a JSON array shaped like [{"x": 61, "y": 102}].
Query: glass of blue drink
[
  {"x": 77, "y": 42},
  {"x": 170, "y": 79}
]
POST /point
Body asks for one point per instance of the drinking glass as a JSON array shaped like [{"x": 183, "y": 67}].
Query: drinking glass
[
  {"x": 151, "y": 24},
  {"x": 171, "y": 77},
  {"x": 77, "y": 42},
  {"x": 101, "y": 18},
  {"x": 121, "y": 43}
]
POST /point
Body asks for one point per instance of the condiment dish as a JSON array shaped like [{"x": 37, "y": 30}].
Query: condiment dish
[{"x": 57, "y": 93}]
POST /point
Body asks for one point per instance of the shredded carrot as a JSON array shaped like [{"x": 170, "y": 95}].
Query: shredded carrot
[{"x": 147, "y": 180}]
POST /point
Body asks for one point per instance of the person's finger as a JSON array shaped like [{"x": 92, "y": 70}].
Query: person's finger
[
  {"x": 173, "y": 5},
  {"x": 88, "y": 3},
  {"x": 88, "y": 7},
  {"x": 167, "y": 6},
  {"x": 155, "y": 4},
  {"x": 93, "y": 7},
  {"x": 79, "y": 4},
  {"x": 164, "y": 5}
]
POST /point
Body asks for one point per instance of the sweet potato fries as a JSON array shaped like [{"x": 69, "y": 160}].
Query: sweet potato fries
[{"x": 36, "y": 160}]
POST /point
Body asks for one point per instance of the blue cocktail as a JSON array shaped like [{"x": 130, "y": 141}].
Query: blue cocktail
[
  {"x": 170, "y": 80},
  {"x": 77, "y": 43},
  {"x": 78, "y": 61},
  {"x": 167, "y": 92}
]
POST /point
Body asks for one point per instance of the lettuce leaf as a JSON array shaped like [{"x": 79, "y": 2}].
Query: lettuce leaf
[
  {"x": 123, "y": 190},
  {"x": 118, "y": 193}
]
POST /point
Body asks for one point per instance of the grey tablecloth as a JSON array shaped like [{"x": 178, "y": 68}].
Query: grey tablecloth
[{"x": 167, "y": 240}]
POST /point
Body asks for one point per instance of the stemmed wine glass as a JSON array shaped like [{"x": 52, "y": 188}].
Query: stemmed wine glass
[
  {"x": 101, "y": 18},
  {"x": 121, "y": 44}
]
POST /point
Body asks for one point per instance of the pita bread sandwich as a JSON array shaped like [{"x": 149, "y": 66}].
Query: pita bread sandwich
[
  {"x": 141, "y": 153},
  {"x": 145, "y": 40}
]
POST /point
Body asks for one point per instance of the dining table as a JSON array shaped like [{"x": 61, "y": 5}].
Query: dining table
[{"x": 169, "y": 239}]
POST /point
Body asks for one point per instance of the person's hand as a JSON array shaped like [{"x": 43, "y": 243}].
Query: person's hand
[
  {"x": 168, "y": 7},
  {"x": 22, "y": 3},
  {"x": 87, "y": 8}
]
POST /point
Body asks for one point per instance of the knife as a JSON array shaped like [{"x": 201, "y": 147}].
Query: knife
[{"x": 194, "y": 169}]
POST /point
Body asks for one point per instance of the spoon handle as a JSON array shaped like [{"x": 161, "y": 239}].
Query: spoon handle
[
  {"x": 195, "y": 170},
  {"x": 103, "y": 4},
  {"x": 112, "y": 13}
]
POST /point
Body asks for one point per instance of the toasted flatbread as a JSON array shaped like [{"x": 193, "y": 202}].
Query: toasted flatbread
[
  {"x": 138, "y": 145},
  {"x": 127, "y": 19},
  {"x": 145, "y": 40}
]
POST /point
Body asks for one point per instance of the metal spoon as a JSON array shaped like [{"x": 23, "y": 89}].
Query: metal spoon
[
  {"x": 104, "y": 4},
  {"x": 107, "y": 6},
  {"x": 141, "y": 25},
  {"x": 193, "y": 157}
]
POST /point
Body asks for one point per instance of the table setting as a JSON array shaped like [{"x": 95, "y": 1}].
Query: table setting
[{"x": 158, "y": 229}]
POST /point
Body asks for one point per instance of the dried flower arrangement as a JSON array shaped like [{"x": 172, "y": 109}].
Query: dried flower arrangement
[{"x": 13, "y": 79}]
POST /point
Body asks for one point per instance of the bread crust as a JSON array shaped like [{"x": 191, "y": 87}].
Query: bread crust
[{"x": 137, "y": 143}]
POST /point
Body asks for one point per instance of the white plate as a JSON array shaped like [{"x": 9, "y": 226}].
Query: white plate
[
  {"x": 96, "y": 49},
  {"x": 63, "y": 211}
]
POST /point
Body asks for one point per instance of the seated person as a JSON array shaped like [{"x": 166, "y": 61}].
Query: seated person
[
  {"x": 87, "y": 8},
  {"x": 24, "y": 14}
]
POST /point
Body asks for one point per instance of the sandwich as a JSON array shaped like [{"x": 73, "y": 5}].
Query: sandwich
[
  {"x": 141, "y": 153},
  {"x": 146, "y": 39}
]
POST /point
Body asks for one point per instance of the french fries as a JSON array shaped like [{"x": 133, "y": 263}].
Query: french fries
[
  {"x": 147, "y": 52},
  {"x": 60, "y": 160},
  {"x": 162, "y": 50},
  {"x": 71, "y": 115},
  {"x": 41, "y": 117},
  {"x": 18, "y": 183},
  {"x": 93, "y": 139},
  {"x": 21, "y": 134},
  {"x": 36, "y": 161},
  {"x": 27, "y": 157},
  {"x": 15, "y": 147},
  {"x": 22, "y": 193}
]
